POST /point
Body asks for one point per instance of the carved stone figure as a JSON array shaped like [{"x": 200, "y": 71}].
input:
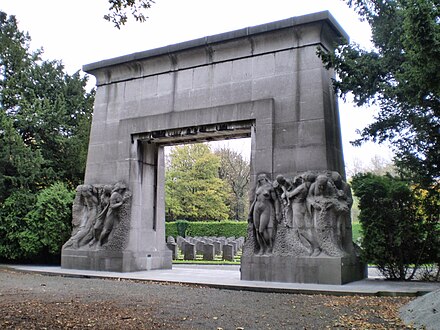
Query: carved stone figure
[
  {"x": 302, "y": 219},
  {"x": 104, "y": 204},
  {"x": 95, "y": 213},
  {"x": 264, "y": 213},
  {"x": 344, "y": 217},
  {"x": 323, "y": 205},
  {"x": 313, "y": 210},
  {"x": 88, "y": 209},
  {"x": 116, "y": 201}
]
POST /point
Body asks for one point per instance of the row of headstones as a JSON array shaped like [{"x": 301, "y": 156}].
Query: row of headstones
[{"x": 209, "y": 247}]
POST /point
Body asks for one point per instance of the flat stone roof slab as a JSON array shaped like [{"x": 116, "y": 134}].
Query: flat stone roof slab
[{"x": 222, "y": 37}]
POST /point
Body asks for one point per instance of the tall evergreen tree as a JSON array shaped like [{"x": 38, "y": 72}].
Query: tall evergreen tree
[
  {"x": 45, "y": 116},
  {"x": 401, "y": 75}
]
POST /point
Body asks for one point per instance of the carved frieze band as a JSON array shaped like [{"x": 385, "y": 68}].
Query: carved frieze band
[
  {"x": 100, "y": 217},
  {"x": 307, "y": 215}
]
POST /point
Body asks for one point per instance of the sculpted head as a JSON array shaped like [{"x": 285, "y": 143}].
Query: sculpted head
[
  {"x": 281, "y": 179},
  {"x": 309, "y": 176},
  {"x": 119, "y": 187},
  {"x": 337, "y": 179},
  {"x": 321, "y": 182},
  {"x": 262, "y": 179},
  {"x": 86, "y": 190}
]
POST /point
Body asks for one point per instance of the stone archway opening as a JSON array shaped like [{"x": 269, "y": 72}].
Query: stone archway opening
[
  {"x": 209, "y": 182},
  {"x": 230, "y": 181},
  {"x": 151, "y": 152},
  {"x": 148, "y": 178}
]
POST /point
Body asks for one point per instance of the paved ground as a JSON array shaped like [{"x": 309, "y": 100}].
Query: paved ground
[
  {"x": 228, "y": 277},
  {"x": 33, "y": 300}
]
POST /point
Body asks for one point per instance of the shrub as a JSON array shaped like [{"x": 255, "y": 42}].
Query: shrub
[
  {"x": 12, "y": 224},
  {"x": 35, "y": 226},
  {"x": 396, "y": 237},
  {"x": 51, "y": 218}
]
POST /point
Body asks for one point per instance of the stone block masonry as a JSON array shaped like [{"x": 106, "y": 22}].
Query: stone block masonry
[{"x": 264, "y": 82}]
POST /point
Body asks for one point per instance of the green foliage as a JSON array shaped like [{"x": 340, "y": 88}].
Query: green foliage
[
  {"x": 396, "y": 237},
  {"x": 50, "y": 219},
  {"x": 35, "y": 226},
  {"x": 217, "y": 229},
  {"x": 20, "y": 166},
  {"x": 119, "y": 9},
  {"x": 402, "y": 76},
  {"x": 357, "y": 233},
  {"x": 235, "y": 171},
  {"x": 45, "y": 117},
  {"x": 193, "y": 190},
  {"x": 13, "y": 225},
  {"x": 177, "y": 228},
  {"x": 207, "y": 228}
]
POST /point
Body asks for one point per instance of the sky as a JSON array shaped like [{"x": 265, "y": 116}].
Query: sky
[{"x": 75, "y": 32}]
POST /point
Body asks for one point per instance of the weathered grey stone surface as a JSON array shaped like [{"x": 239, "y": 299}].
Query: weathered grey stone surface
[
  {"x": 320, "y": 270},
  {"x": 218, "y": 247},
  {"x": 189, "y": 252},
  {"x": 208, "y": 252},
  {"x": 264, "y": 82},
  {"x": 172, "y": 245},
  {"x": 179, "y": 241},
  {"x": 303, "y": 222},
  {"x": 200, "y": 246},
  {"x": 228, "y": 252}
]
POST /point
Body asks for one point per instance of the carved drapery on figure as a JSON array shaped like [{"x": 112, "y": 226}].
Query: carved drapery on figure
[
  {"x": 308, "y": 215},
  {"x": 100, "y": 217}
]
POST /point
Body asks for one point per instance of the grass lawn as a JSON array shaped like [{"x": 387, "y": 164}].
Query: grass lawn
[{"x": 357, "y": 231}]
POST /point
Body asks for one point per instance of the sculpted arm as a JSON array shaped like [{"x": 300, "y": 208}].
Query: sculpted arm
[{"x": 294, "y": 192}]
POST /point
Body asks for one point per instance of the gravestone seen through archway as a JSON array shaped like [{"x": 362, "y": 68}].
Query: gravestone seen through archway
[{"x": 265, "y": 82}]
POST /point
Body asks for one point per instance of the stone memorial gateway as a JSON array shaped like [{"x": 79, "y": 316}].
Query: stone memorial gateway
[{"x": 264, "y": 82}]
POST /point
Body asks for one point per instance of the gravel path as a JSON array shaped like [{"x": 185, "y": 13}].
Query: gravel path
[{"x": 33, "y": 301}]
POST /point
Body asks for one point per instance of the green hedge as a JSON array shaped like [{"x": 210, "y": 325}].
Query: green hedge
[
  {"x": 206, "y": 228},
  {"x": 224, "y": 228}
]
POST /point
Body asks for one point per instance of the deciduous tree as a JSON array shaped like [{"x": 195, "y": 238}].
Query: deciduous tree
[
  {"x": 235, "y": 171},
  {"x": 121, "y": 10},
  {"x": 194, "y": 190}
]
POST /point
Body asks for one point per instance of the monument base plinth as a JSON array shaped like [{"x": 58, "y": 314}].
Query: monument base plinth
[
  {"x": 115, "y": 261},
  {"x": 318, "y": 270}
]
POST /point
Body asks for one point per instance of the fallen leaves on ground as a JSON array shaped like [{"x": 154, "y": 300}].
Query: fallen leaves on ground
[{"x": 368, "y": 312}]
